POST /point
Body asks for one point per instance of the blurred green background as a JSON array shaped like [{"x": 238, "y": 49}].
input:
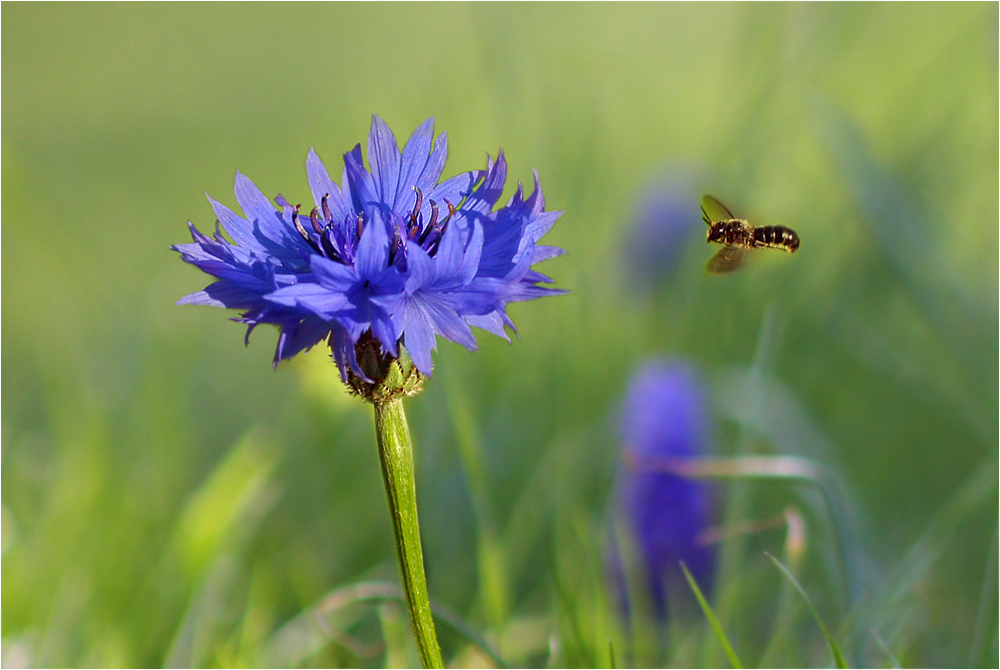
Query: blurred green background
[{"x": 168, "y": 499}]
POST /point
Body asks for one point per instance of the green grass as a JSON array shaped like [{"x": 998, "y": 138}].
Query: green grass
[
  {"x": 838, "y": 656},
  {"x": 168, "y": 499},
  {"x": 734, "y": 660}
]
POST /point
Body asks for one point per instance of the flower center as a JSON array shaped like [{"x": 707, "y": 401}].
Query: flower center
[
  {"x": 428, "y": 235},
  {"x": 338, "y": 241}
]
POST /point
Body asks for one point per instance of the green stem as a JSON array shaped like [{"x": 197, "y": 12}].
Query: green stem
[{"x": 396, "y": 452}]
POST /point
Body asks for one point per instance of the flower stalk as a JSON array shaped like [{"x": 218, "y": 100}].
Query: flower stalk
[{"x": 396, "y": 453}]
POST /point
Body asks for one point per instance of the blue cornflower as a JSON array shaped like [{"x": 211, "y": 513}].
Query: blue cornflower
[
  {"x": 391, "y": 256},
  {"x": 666, "y": 221},
  {"x": 663, "y": 419}
]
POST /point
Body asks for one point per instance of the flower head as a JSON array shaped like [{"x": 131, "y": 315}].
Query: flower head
[
  {"x": 665, "y": 222},
  {"x": 664, "y": 418},
  {"x": 392, "y": 255}
]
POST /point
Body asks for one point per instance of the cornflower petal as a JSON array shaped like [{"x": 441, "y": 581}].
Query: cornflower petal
[
  {"x": 236, "y": 226},
  {"x": 258, "y": 208},
  {"x": 544, "y": 253},
  {"x": 335, "y": 276},
  {"x": 301, "y": 335},
  {"x": 431, "y": 172},
  {"x": 385, "y": 331},
  {"x": 224, "y": 261},
  {"x": 383, "y": 155},
  {"x": 456, "y": 188},
  {"x": 373, "y": 249},
  {"x": 468, "y": 266},
  {"x": 223, "y": 293},
  {"x": 316, "y": 298},
  {"x": 413, "y": 162},
  {"x": 486, "y": 195},
  {"x": 363, "y": 191},
  {"x": 421, "y": 268},
  {"x": 492, "y": 323},
  {"x": 344, "y": 353},
  {"x": 322, "y": 186},
  {"x": 450, "y": 252},
  {"x": 418, "y": 336}
]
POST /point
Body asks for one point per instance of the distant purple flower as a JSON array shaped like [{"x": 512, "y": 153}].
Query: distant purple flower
[
  {"x": 664, "y": 418},
  {"x": 392, "y": 254},
  {"x": 666, "y": 221}
]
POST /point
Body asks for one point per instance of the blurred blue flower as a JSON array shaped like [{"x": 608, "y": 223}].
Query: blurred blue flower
[
  {"x": 667, "y": 219},
  {"x": 392, "y": 255},
  {"x": 664, "y": 418}
]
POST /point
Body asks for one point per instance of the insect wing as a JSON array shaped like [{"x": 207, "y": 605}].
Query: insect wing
[
  {"x": 715, "y": 210},
  {"x": 726, "y": 260}
]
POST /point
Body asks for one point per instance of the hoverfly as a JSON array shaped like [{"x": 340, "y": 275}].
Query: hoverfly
[{"x": 738, "y": 235}]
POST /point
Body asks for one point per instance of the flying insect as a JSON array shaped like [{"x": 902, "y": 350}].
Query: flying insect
[{"x": 738, "y": 236}]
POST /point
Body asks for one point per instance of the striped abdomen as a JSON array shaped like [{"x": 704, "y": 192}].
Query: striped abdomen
[{"x": 776, "y": 237}]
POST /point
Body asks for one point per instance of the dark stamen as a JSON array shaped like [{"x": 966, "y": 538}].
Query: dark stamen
[
  {"x": 416, "y": 207},
  {"x": 314, "y": 217},
  {"x": 435, "y": 244},
  {"x": 447, "y": 219},
  {"x": 330, "y": 250},
  {"x": 298, "y": 224},
  {"x": 434, "y": 215},
  {"x": 423, "y": 236},
  {"x": 443, "y": 227},
  {"x": 326, "y": 207},
  {"x": 301, "y": 229},
  {"x": 361, "y": 223},
  {"x": 396, "y": 243}
]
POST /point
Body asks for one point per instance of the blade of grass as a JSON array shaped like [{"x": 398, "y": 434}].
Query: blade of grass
[
  {"x": 710, "y": 615},
  {"x": 987, "y": 604},
  {"x": 838, "y": 657},
  {"x": 890, "y": 603},
  {"x": 888, "y": 652},
  {"x": 567, "y": 610},
  {"x": 492, "y": 564},
  {"x": 782, "y": 639},
  {"x": 304, "y": 635},
  {"x": 739, "y": 493},
  {"x": 399, "y": 653}
]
